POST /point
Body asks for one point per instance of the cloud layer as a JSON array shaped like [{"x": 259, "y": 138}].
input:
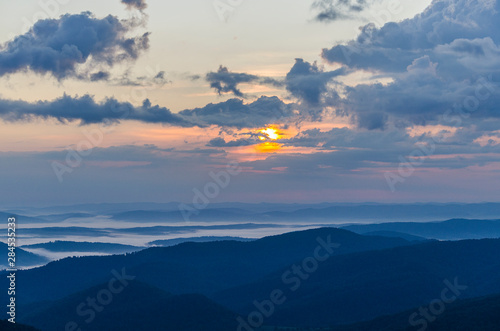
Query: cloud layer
[
  {"x": 446, "y": 58},
  {"x": 59, "y": 46},
  {"x": 231, "y": 113}
]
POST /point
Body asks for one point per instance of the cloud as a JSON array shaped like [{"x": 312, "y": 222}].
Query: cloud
[
  {"x": 101, "y": 75},
  {"x": 394, "y": 46},
  {"x": 308, "y": 82},
  {"x": 305, "y": 81},
  {"x": 137, "y": 4},
  {"x": 224, "y": 81},
  {"x": 445, "y": 59},
  {"x": 220, "y": 142},
  {"x": 235, "y": 113},
  {"x": 88, "y": 111},
  {"x": 231, "y": 113},
  {"x": 59, "y": 46},
  {"x": 333, "y": 10}
]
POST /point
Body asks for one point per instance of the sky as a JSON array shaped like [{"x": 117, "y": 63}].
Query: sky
[{"x": 296, "y": 101}]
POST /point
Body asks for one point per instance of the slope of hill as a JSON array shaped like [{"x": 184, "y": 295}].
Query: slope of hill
[
  {"x": 356, "y": 287},
  {"x": 478, "y": 314},
  {"x": 454, "y": 229},
  {"x": 395, "y": 234},
  {"x": 24, "y": 259},
  {"x": 176, "y": 241},
  {"x": 8, "y": 326},
  {"x": 73, "y": 246},
  {"x": 135, "y": 307},
  {"x": 192, "y": 267}
]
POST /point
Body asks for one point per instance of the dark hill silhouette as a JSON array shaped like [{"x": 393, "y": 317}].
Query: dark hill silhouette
[
  {"x": 362, "y": 286},
  {"x": 8, "y": 326},
  {"x": 395, "y": 234},
  {"x": 137, "y": 307},
  {"x": 191, "y": 267},
  {"x": 478, "y": 314}
]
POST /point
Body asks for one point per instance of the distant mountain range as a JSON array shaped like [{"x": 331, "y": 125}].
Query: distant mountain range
[
  {"x": 243, "y": 212},
  {"x": 455, "y": 229},
  {"x": 333, "y": 213}
]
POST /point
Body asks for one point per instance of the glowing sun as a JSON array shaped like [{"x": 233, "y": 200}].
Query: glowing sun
[{"x": 271, "y": 133}]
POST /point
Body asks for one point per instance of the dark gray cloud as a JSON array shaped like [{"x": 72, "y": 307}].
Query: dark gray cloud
[
  {"x": 394, "y": 46},
  {"x": 231, "y": 113},
  {"x": 333, "y": 10},
  {"x": 220, "y": 142},
  {"x": 137, "y": 4},
  {"x": 235, "y": 113},
  {"x": 225, "y": 81},
  {"x": 88, "y": 111},
  {"x": 59, "y": 46},
  {"x": 308, "y": 82},
  {"x": 305, "y": 81},
  {"x": 100, "y": 75},
  {"x": 438, "y": 61}
]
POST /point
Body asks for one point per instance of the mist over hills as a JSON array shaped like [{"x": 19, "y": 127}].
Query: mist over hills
[
  {"x": 264, "y": 212},
  {"x": 384, "y": 269},
  {"x": 364, "y": 277},
  {"x": 72, "y": 246},
  {"x": 23, "y": 258},
  {"x": 176, "y": 241},
  {"x": 221, "y": 264},
  {"x": 319, "y": 213}
]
